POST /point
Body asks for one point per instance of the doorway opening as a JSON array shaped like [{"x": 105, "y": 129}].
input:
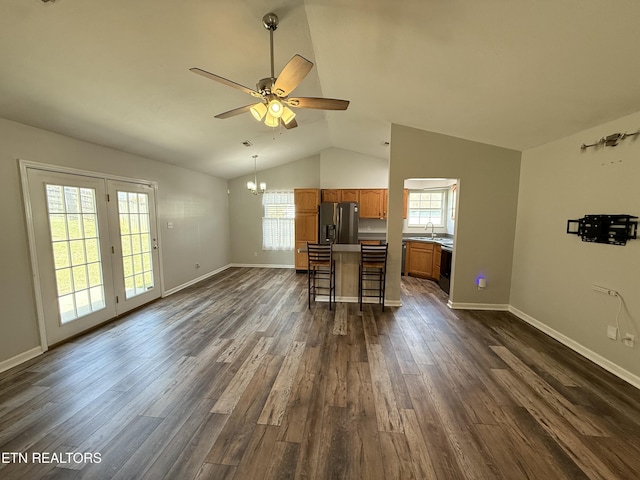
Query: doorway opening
[{"x": 428, "y": 229}]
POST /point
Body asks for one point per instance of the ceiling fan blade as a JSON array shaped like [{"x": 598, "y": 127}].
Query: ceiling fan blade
[
  {"x": 224, "y": 81},
  {"x": 292, "y": 74},
  {"x": 290, "y": 125},
  {"x": 318, "y": 103},
  {"x": 235, "y": 111}
]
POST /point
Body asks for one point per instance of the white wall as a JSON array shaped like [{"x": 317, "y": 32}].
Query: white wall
[
  {"x": 195, "y": 203},
  {"x": 553, "y": 272},
  {"x": 346, "y": 169},
  {"x": 246, "y": 210}
]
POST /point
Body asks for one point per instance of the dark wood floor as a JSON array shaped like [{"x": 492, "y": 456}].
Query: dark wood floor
[{"x": 235, "y": 379}]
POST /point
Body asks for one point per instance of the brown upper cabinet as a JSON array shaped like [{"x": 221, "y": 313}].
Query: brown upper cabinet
[
  {"x": 405, "y": 202},
  {"x": 331, "y": 195},
  {"x": 372, "y": 203},
  {"x": 306, "y": 199},
  {"x": 351, "y": 195},
  {"x": 340, "y": 195}
]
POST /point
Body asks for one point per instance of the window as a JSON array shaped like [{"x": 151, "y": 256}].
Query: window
[
  {"x": 76, "y": 250},
  {"x": 426, "y": 206},
  {"x": 278, "y": 221}
]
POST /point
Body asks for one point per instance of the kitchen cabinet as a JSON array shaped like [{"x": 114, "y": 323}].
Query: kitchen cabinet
[
  {"x": 306, "y": 222},
  {"x": 350, "y": 195},
  {"x": 423, "y": 259},
  {"x": 372, "y": 203},
  {"x": 340, "y": 195},
  {"x": 371, "y": 242},
  {"x": 437, "y": 255},
  {"x": 306, "y": 199},
  {"x": 331, "y": 195},
  {"x": 405, "y": 202},
  {"x": 420, "y": 259},
  {"x": 385, "y": 203}
]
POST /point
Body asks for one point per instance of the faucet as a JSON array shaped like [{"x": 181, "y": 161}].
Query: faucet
[{"x": 433, "y": 233}]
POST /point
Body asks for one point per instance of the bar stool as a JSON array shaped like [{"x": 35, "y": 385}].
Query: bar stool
[
  {"x": 373, "y": 270},
  {"x": 321, "y": 271}
]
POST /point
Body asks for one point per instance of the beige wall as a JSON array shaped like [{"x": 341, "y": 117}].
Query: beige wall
[
  {"x": 553, "y": 272},
  {"x": 487, "y": 202},
  {"x": 245, "y": 210},
  {"x": 195, "y": 203}
]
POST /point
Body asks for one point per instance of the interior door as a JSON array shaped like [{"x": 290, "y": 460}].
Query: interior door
[
  {"x": 134, "y": 244},
  {"x": 74, "y": 266}
]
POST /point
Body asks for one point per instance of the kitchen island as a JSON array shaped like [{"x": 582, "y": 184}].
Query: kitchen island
[{"x": 347, "y": 258}]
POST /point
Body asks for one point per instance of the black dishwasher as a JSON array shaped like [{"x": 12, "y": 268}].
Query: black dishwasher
[{"x": 445, "y": 269}]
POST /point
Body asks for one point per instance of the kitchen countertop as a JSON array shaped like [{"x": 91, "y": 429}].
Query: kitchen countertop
[
  {"x": 355, "y": 247},
  {"x": 444, "y": 241},
  {"x": 340, "y": 248}
]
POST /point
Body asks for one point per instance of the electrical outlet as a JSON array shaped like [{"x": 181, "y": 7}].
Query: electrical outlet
[
  {"x": 612, "y": 332},
  {"x": 629, "y": 339},
  {"x": 197, "y": 265},
  {"x": 255, "y": 254}
]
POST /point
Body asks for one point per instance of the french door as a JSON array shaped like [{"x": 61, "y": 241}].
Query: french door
[{"x": 96, "y": 250}]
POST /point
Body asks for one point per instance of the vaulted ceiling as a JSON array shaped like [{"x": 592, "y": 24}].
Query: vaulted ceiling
[{"x": 513, "y": 73}]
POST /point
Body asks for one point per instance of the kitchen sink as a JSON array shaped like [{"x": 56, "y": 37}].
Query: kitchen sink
[{"x": 440, "y": 240}]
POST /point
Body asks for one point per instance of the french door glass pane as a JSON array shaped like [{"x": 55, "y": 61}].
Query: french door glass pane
[
  {"x": 133, "y": 212},
  {"x": 76, "y": 250}
]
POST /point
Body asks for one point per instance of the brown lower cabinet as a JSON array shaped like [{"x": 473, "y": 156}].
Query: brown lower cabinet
[
  {"x": 423, "y": 260},
  {"x": 371, "y": 242}
]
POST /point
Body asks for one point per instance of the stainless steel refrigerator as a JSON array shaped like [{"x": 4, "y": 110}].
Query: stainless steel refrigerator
[{"x": 338, "y": 222}]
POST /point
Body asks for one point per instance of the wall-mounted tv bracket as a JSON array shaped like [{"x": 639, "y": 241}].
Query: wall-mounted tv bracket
[
  {"x": 610, "y": 140},
  {"x": 611, "y": 229}
]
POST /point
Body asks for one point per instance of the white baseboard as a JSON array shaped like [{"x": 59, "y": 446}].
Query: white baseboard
[
  {"x": 20, "y": 358},
  {"x": 194, "y": 281},
  {"x": 576, "y": 347},
  {"x": 477, "y": 306},
  {"x": 260, "y": 265}
]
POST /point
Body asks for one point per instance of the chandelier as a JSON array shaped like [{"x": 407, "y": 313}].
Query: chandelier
[{"x": 253, "y": 186}]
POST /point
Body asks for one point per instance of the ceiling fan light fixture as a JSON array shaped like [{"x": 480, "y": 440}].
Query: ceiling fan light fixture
[
  {"x": 274, "y": 91},
  {"x": 270, "y": 120},
  {"x": 287, "y": 115},
  {"x": 259, "y": 110},
  {"x": 276, "y": 108}
]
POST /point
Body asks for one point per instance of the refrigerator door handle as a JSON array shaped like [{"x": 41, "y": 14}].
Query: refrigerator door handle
[{"x": 340, "y": 226}]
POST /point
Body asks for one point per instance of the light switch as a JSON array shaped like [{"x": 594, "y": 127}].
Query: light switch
[{"x": 169, "y": 225}]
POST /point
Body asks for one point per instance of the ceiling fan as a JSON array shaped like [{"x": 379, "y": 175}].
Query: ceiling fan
[{"x": 274, "y": 92}]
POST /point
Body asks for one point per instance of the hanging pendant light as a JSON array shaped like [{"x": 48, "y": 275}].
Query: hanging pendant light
[{"x": 252, "y": 186}]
